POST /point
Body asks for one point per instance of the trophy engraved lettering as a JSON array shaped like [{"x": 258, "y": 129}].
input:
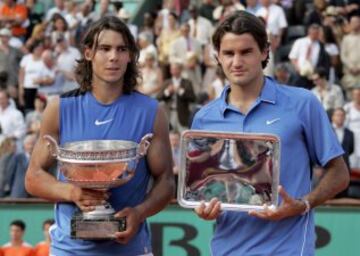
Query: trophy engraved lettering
[{"x": 98, "y": 164}]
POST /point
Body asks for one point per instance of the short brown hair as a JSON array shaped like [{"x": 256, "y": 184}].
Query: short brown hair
[
  {"x": 239, "y": 23},
  {"x": 83, "y": 72}
]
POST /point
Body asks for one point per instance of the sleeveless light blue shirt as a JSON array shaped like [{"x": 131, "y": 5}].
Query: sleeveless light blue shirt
[{"x": 82, "y": 117}]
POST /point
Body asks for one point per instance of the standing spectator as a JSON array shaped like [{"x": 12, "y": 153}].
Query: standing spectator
[
  {"x": 152, "y": 80},
  {"x": 352, "y": 110},
  {"x": 18, "y": 166},
  {"x": 146, "y": 47},
  {"x": 33, "y": 118},
  {"x": 306, "y": 54},
  {"x": 350, "y": 56},
  {"x": 184, "y": 44},
  {"x": 31, "y": 66},
  {"x": 48, "y": 80},
  {"x": 283, "y": 75},
  {"x": 252, "y": 6},
  {"x": 217, "y": 86},
  {"x": 177, "y": 96},
  {"x": 58, "y": 8},
  {"x": 17, "y": 246},
  {"x": 164, "y": 42},
  {"x": 175, "y": 149},
  {"x": 11, "y": 120},
  {"x": 330, "y": 95},
  {"x": 344, "y": 135},
  {"x": 226, "y": 8},
  {"x": 9, "y": 58},
  {"x": 200, "y": 28},
  {"x": 59, "y": 28},
  {"x": 14, "y": 16},
  {"x": 43, "y": 248},
  {"x": 66, "y": 63},
  {"x": 7, "y": 154},
  {"x": 125, "y": 16},
  {"x": 327, "y": 37},
  {"x": 206, "y": 10}
]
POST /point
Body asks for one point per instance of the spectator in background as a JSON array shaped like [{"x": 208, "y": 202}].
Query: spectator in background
[
  {"x": 183, "y": 45},
  {"x": 164, "y": 42},
  {"x": 146, "y": 46},
  {"x": 9, "y": 58},
  {"x": 31, "y": 67},
  {"x": 43, "y": 248},
  {"x": 283, "y": 74},
  {"x": 200, "y": 28},
  {"x": 33, "y": 118},
  {"x": 330, "y": 95},
  {"x": 226, "y": 8},
  {"x": 151, "y": 82},
  {"x": 175, "y": 149},
  {"x": 16, "y": 245},
  {"x": 206, "y": 10},
  {"x": 177, "y": 95},
  {"x": 14, "y": 15},
  {"x": 7, "y": 153},
  {"x": 66, "y": 63},
  {"x": 316, "y": 15},
  {"x": 60, "y": 28},
  {"x": 49, "y": 76},
  {"x": 252, "y": 6},
  {"x": 18, "y": 166},
  {"x": 125, "y": 16},
  {"x": 350, "y": 55},
  {"x": 352, "y": 110},
  {"x": 306, "y": 54},
  {"x": 327, "y": 37},
  {"x": 217, "y": 86},
  {"x": 11, "y": 120},
  {"x": 344, "y": 135},
  {"x": 58, "y": 8}
]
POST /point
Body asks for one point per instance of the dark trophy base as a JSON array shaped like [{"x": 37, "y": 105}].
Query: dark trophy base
[{"x": 96, "y": 229}]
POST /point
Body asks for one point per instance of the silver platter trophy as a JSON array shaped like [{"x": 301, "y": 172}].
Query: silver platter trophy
[
  {"x": 98, "y": 164},
  {"x": 240, "y": 169}
]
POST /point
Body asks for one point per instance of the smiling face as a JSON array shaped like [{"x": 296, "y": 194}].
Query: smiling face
[
  {"x": 240, "y": 58},
  {"x": 110, "y": 58}
]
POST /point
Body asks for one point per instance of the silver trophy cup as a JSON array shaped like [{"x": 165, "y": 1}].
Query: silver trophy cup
[{"x": 98, "y": 164}]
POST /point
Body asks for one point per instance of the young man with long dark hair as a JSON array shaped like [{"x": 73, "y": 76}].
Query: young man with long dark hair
[{"x": 105, "y": 107}]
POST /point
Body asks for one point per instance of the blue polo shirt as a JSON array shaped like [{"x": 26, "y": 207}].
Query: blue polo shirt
[{"x": 306, "y": 137}]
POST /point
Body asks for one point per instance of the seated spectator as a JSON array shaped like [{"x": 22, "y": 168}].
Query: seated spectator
[
  {"x": 43, "y": 248},
  {"x": 59, "y": 27},
  {"x": 13, "y": 15},
  {"x": 217, "y": 86},
  {"x": 283, "y": 74},
  {"x": 330, "y": 95},
  {"x": 16, "y": 245},
  {"x": 146, "y": 47}
]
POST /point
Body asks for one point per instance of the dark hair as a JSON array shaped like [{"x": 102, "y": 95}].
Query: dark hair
[
  {"x": 48, "y": 221},
  {"x": 58, "y": 16},
  {"x": 239, "y": 23},
  {"x": 176, "y": 17},
  {"x": 321, "y": 72},
  {"x": 18, "y": 223},
  {"x": 83, "y": 72},
  {"x": 329, "y": 36},
  {"x": 34, "y": 44}
]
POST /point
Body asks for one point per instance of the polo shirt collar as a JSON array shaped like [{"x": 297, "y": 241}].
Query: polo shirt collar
[{"x": 267, "y": 95}]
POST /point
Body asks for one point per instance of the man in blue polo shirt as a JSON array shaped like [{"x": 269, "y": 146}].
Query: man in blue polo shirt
[{"x": 255, "y": 103}]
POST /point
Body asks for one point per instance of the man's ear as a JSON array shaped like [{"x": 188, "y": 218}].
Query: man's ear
[{"x": 88, "y": 54}]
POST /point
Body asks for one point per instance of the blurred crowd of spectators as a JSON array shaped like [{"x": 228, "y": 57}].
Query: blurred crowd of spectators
[{"x": 312, "y": 45}]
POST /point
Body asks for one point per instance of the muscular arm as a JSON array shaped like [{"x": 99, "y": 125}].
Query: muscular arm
[
  {"x": 40, "y": 183},
  {"x": 335, "y": 180},
  {"x": 160, "y": 162}
]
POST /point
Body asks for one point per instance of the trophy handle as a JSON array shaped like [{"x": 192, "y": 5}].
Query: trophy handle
[
  {"x": 144, "y": 144},
  {"x": 52, "y": 145}
]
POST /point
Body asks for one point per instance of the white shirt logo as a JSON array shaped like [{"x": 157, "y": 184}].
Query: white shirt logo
[
  {"x": 268, "y": 122},
  {"x": 98, "y": 122}
]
